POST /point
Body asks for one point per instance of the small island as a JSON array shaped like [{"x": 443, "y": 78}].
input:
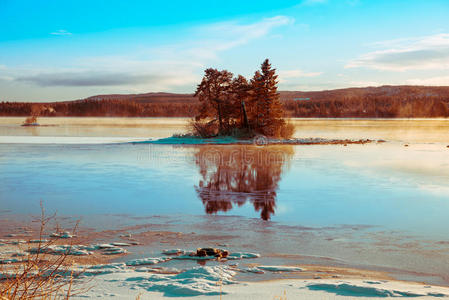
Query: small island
[{"x": 238, "y": 107}]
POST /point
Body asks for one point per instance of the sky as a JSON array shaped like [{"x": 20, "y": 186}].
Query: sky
[{"x": 63, "y": 50}]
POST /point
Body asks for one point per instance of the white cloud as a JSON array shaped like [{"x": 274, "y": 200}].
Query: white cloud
[
  {"x": 422, "y": 53},
  {"x": 61, "y": 32},
  {"x": 437, "y": 81}
]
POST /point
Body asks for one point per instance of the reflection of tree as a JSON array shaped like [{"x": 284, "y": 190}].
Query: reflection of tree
[{"x": 236, "y": 174}]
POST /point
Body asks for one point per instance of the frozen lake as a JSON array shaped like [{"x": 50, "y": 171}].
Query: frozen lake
[{"x": 380, "y": 204}]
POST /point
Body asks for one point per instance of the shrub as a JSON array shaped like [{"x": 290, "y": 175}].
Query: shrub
[
  {"x": 40, "y": 275},
  {"x": 203, "y": 128},
  {"x": 287, "y": 130}
]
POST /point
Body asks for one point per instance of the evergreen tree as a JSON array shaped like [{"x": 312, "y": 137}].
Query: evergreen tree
[{"x": 268, "y": 111}]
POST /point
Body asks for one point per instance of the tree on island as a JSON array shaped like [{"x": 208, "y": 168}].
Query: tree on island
[{"x": 236, "y": 107}]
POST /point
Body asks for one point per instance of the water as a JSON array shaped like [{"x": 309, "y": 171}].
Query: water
[{"x": 382, "y": 205}]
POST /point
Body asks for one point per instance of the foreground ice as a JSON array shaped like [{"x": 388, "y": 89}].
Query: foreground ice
[{"x": 207, "y": 282}]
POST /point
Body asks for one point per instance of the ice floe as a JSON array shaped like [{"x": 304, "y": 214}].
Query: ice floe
[
  {"x": 280, "y": 268},
  {"x": 77, "y": 250},
  {"x": 62, "y": 235},
  {"x": 173, "y": 252},
  {"x": 147, "y": 261},
  {"x": 120, "y": 244},
  {"x": 114, "y": 251},
  {"x": 242, "y": 255}
]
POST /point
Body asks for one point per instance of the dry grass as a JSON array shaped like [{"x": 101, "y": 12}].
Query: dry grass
[{"x": 39, "y": 274}]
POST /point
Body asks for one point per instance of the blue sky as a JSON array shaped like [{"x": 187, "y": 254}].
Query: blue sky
[{"x": 61, "y": 50}]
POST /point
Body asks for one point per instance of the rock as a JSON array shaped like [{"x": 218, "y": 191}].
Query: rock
[{"x": 201, "y": 252}]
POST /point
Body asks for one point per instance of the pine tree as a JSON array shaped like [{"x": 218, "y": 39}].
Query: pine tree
[{"x": 268, "y": 108}]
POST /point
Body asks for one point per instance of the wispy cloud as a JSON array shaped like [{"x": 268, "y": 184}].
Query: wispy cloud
[
  {"x": 61, "y": 32},
  {"x": 423, "y": 53},
  {"x": 157, "y": 68},
  {"x": 227, "y": 35}
]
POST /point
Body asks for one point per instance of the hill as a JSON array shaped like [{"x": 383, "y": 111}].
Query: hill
[{"x": 384, "y": 101}]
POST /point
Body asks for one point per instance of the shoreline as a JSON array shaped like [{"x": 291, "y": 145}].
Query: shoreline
[{"x": 115, "y": 275}]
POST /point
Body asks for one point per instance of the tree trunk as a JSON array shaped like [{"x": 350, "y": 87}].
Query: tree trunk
[
  {"x": 220, "y": 120},
  {"x": 245, "y": 116}
]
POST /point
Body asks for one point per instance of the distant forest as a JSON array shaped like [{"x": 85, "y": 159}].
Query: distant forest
[{"x": 371, "y": 102}]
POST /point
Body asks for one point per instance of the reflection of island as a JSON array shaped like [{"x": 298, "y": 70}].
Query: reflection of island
[{"x": 233, "y": 175}]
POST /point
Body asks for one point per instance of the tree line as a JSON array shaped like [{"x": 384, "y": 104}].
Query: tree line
[{"x": 381, "y": 102}]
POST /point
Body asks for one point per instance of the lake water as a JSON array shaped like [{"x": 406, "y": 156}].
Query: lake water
[{"x": 380, "y": 205}]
